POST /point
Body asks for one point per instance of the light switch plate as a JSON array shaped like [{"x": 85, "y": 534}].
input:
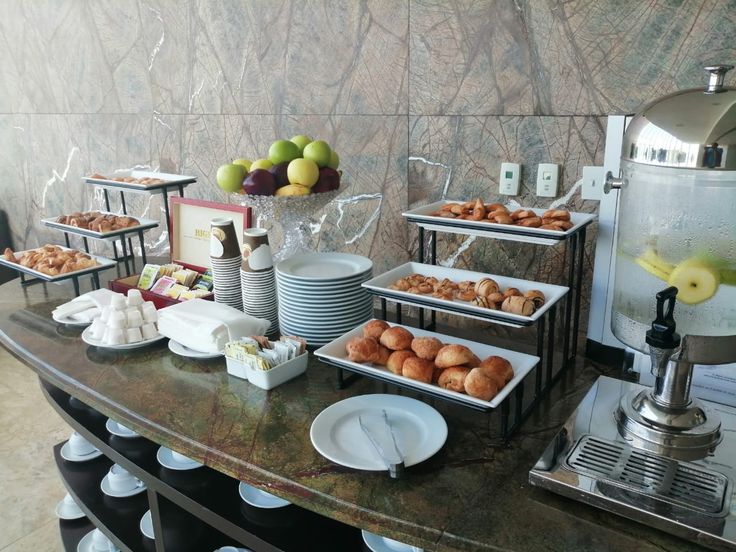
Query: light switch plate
[
  {"x": 508, "y": 181},
  {"x": 547, "y": 175},
  {"x": 593, "y": 180}
]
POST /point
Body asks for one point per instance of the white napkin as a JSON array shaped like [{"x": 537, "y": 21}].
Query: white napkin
[
  {"x": 86, "y": 307},
  {"x": 207, "y": 326}
]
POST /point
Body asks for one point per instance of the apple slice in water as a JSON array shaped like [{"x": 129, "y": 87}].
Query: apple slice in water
[{"x": 694, "y": 281}]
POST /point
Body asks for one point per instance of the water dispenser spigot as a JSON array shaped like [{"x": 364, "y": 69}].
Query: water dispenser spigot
[{"x": 663, "y": 335}]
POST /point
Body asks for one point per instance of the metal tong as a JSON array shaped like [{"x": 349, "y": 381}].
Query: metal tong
[{"x": 395, "y": 469}]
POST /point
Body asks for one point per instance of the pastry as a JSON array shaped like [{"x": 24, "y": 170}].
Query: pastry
[
  {"x": 496, "y": 298},
  {"x": 419, "y": 369},
  {"x": 453, "y": 355},
  {"x": 473, "y": 362},
  {"x": 510, "y": 292},
  {"x": 426, "y": 347},
  {"x": 483, "y": 302},
  {"x": 536, "y": 296},
  {"x": 499, "y": 368},
  {"x": 453, "y": 378},
  {"x": 497, "y": 207},
  {"x": 375, "y": 328},
  {"x": 52, "y": 260},
  {"x": 557, "y": 214},
  {"x": 362, "y": 349},
  {"x": 466, "y": 295},
  {"x": 480, "y": 386},
  {"x": 533, "y": 222},
  {"x": 518, "y": 304},
  {"x": 503, "y": 219},
  {"x": 485, "y": 287},
  {"x": 381, "y": 357},
  {"x": 397, "y": 338},
  {"x": 396, "y": 360},
  {"x": 479, "y": 210}
]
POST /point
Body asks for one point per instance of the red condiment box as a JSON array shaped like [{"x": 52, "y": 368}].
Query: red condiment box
[{"x": 190, "y": 240}]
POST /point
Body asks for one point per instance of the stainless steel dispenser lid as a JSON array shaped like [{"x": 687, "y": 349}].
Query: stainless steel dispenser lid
[{"x": 693, "y": 129}]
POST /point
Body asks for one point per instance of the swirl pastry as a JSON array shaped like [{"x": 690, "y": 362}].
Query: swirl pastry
[
  {"x": 518, "y": 304},
  {"x": 536, "y": 297}
]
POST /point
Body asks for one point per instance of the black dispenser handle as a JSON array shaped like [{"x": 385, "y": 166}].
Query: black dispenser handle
[{"x": 663, "y": 335}]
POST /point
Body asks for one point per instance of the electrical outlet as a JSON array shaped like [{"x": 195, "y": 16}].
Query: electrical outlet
[
  {"x": 508, "y": 182},
  {"x": 593, "y": 180},
  {"x": 547, "y": 175}
]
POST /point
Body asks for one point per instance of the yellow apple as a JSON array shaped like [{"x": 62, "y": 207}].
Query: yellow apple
[
  {"x": 303, "y": 172},
  {"x": 261, "y": 164},
  {"x": 244, "y": 162},
  {"x": 292, "y": 190}
]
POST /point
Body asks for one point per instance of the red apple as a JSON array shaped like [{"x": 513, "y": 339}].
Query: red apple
[
  {"x": 279, "y": 174},
  {"x": 329, "y": 179},
  {"x": 259, "y": 182}
]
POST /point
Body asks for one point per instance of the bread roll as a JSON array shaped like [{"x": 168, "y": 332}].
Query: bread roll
[
  {"x": 375, "y": 328},
  {"x": 453, "y": 378},
  {"x": 397, "y": 338},
  {"x": 498, "y": 368},
  {"x": 480, "y": 386},
  {"x": 426, "y": 347},
  {"x": 453, "y": 355},
  {"x": 362, "y": 349},
  {"x": 396, "y": 360},
  {"x": 381, "y": 358},
  {"x": 419, "y": 369}
]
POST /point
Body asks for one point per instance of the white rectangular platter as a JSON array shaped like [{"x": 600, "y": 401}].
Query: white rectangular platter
[
  {"x": 104, "y": 264},
  {"x": 334, "y": 353},
  {"x": 422, "y": 217},
  {"x": 144, "y": 224},
  {"x": 172, "y": 181},
  {"x": 380, "y": 286}
]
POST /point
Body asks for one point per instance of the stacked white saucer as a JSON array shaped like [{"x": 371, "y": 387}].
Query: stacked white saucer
[{"x": 320, "y": 295}]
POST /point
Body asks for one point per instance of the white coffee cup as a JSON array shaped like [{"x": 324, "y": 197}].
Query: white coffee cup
[
  {"x": 100, "y": 542},
  {"x": 178, "y": 457},
  {"x": 392, "y": 544},
  {"x": 79, "y": 446},
  {"x": 121, "y": 480}
]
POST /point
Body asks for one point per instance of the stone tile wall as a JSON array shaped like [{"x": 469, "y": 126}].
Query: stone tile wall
[{"x": 422, "y": 99}]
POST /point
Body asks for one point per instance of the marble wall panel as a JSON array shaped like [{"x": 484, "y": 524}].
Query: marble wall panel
[{"x": 581, "y": 57}]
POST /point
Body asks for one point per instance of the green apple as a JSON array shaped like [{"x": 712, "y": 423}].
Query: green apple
[
  {"x": 230, "y": 177},
  {"x": 318, "y": 151},
  {"x": 245, "y": 162},
  {"x": 261, "y": 164},
  {"x": 304, "y": 172},
  {"x": 283, "y": 151},
  {"x": 292, "y": 190},
  {"x": 301, "y": 140},
  {"x": 334, "y": 160}
]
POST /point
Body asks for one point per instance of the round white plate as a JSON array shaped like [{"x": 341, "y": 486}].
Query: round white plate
[
  {"x": 105, "y": 486},
  {"x": 179, "y": 349},
  {"x": 317, "y": 327},
  {"x": 260, "y": 499},
  {"x": 146, "y": 525},
  {"x": 166, "y": 459},
  {"x": 125, "y": 346},
  {"x": 338, "y": 285},
  {"x": 68, "y": 455},
  {"x": 68, "y": 321},
  {"x": 120, "y": 430},
  {"x": 323, "y": 266},
  {"x": 379, "y": 544},
  {"x": 420, "y": 430},
  {"x": 69, "y": 511},
  {"x": 330, "y": 313},
  {"x": 85, "y": 545}
]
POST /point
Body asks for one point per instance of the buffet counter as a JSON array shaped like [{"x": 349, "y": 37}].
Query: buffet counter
[{"x": 473, "y": 495}]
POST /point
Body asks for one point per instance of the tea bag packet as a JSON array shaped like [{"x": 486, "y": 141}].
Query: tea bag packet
[
  {"x": 175, "y": 291},
  {"x": 185, "y": 277},
  {"x": 148, "y": 276},
  {"x": 300, "y": 343},
  {"x": 285, "y": 351},
  {"x": 162, "y": 285}
]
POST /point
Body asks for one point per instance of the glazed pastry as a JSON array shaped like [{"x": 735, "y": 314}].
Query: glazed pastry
[
  {"x": 397, "y": 338},
  {"x": 453, "y": 355},
  {"x": 426, "y": 347},
  {"x": 480, "y": 386},
  {"x": 375, "y": 328},
  {"x": 485, "y": 287},
  {"x": 396, "y": 360},
  {"x": 518, "y": 304},
  {"x": 453, "y": 378},
  {"x": 499, "y": 368},
  {"x": 362, "y": 349},
  {"x": 557, "y": 214},
  {"x": 510, "y": 292},
  {"x": 536, "y": 297},
  {"x": 381, "y": 358},
  {"x": 419, "y": 369},
  {"x": 503, "y": 219}
]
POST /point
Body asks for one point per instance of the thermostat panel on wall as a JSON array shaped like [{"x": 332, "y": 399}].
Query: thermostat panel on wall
[
  {"x": 508, "y": 182},
  {"x": 547, "y": 175}
]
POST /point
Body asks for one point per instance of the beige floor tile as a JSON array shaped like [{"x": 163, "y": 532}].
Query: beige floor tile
[{"x": 28, "y": 474}]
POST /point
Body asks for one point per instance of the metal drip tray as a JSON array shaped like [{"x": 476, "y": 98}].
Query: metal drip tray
[{"x": 662, "y": 478}]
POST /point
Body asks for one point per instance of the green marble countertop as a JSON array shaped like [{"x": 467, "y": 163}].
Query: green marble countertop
[{"x": 473, "y": 495}]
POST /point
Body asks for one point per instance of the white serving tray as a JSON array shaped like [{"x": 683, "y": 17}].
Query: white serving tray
[
  {"x": 335, "y": 353},
  {"x": 379, "y": 286},
  {"x": 172, "y": 180},
  {"x": 104, "y": 264},
  {"x": 143, "y": 224},
  {"x": 422, "y": 217}
]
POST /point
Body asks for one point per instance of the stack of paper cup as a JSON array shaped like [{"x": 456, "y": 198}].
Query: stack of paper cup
[
  {"x": 225, "y": 261},
  {"x": 257, "y": 278}
]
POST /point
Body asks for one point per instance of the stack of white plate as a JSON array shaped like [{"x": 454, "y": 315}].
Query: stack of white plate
[{"x": 320, "y": 295}]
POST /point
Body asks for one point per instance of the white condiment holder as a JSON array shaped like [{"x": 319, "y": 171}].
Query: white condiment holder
[{"x": 268, "y": 379}]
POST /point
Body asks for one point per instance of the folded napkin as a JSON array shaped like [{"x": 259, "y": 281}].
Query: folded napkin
[
  {"x": 207, "y": 326},
  {"x": 86, "y": 307}
]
